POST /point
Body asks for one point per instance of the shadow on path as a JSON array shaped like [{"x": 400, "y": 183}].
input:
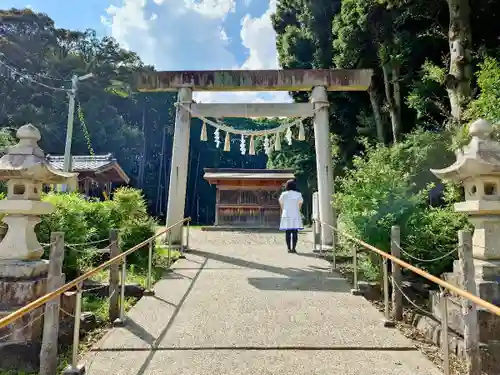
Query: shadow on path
[
  {"x": 139, "y": 331},
  {"x": 267, "y": 348},
  {"x": 313, "y": 279},
  {"x": 164, "y": 301},
  {"x": 161, "y": 336},
  {"x": 300, "y": 284},
  {"x": 289, "y": 272}
]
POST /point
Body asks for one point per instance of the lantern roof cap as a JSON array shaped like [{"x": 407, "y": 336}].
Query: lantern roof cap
[
  {"x": 481, "y": 157},
  {"x": 27, "y": 160}
]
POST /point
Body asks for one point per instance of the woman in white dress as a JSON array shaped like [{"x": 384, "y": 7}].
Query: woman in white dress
[{"x": 291, "y": 220}]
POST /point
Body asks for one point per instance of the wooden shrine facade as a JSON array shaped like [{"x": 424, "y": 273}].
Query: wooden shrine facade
[
  {"x": 247, "y": 198},
  {"x": 97, "y": 174}
]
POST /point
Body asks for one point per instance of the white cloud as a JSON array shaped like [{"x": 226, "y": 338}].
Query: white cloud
[
  {"x": 184, "y": 35},
  {"x": 129, "y": 21},
  {"x": 258, "y": 36},
  {"x": 211, "y": 8},
  {"x": 191, "y": 35}
]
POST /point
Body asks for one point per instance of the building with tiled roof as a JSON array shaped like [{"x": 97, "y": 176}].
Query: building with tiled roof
[{"x": 96, "y": 173}]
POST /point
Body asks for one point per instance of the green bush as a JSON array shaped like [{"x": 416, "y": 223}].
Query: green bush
[
  {"x": 99, "y": 216},
  {"x": 68, "y": 217},
  {"x": 487, "y": 104},
  {"x": 130, "y": 212},
  {"x": 89, "y": 221},
  {"x": 132, "y": 233},
  {"x": 432, "y": 233},
  {"x": 389, "y": 186}
]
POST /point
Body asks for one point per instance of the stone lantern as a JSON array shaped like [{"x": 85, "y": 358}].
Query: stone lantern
[
  {"x": 23, "y": 273},
  {"x": 477, "y": 168}
]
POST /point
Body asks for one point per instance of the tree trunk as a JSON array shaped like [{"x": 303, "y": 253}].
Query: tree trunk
[
  {"x": 389, "y": 97},
  {"x": 397, "y": 94},
  {"x": 458, "y": 80},
  {"x": 376, "y": 114}
]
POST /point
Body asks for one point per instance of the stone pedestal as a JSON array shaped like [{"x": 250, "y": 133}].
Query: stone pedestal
[
  {"x": 23, "y": 275},
  {"x": 477, "y": 169},
  {"x": 21, "y": 282},
  {"x": 489, "y": 324}
]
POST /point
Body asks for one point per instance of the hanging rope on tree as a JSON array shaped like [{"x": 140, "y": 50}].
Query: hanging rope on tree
[{"x": 85, "y": 130}]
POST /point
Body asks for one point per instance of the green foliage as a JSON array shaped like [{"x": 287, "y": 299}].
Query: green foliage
[
  {"x": 129, "y": 205},
  {"x": 137, "y": 128},
  {"x": 430, "y": 233},
  {"x": 131, "y": 217},
  {"x": 68, "y": 217},
  {"x": 84, "y": 221},
  {"x": 6, "y": 140},
  {"x": 487, "y": 104},
  {"x": 374, "y": 195},
  {"x": 427, "y": 94},
  {"x": 388, "y": 186}
]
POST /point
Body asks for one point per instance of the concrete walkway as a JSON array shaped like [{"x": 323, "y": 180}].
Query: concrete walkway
[{"x": 239, "y": 304}]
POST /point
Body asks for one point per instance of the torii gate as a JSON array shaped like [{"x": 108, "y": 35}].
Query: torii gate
[{"x": 317, "y": 81}]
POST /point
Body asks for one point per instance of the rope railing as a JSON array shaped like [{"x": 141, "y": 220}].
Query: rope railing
[
  {"x": 80, "y": 279},
  {"x": 468, "y": 304},
  {"x": 436, "y": 280},
  {"x": 116, "y": 291},
  {"x": 19, "y": 329},
  {"x": 410, "y": 256}
]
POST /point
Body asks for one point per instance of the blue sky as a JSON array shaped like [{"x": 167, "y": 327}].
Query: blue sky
[{"x": 179, "y": 34}]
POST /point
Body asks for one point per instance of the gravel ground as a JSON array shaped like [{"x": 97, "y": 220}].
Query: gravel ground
[{"x": 239, "y": 304}]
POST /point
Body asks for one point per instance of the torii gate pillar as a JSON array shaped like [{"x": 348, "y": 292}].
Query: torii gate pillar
[
  {"x": 324, "y": 165},
  {"x": 179, "y": 167}
]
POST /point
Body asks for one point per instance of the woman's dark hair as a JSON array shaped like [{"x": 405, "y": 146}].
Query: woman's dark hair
[{"x": 291, "y": 185}]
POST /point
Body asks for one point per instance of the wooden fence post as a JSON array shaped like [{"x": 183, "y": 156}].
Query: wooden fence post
[
  {"x": 469, "y": 310},
  {"x": 397, "y": 297},
  {"x": 48, "y": 352},
  {"x": 114, "y": 277}
]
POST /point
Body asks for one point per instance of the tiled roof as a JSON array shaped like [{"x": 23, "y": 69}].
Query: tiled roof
[
  {"x": 81, "y": 163},
  {"x": 246, "y": 174}
]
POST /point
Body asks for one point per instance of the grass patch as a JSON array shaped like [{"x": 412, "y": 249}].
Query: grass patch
[
  {"x": 368, "y": 269},
  {"x": 100, "y": 306}
]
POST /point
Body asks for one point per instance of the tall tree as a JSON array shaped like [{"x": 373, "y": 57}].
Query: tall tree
[
  {"x": 458, "y": 80},
  {"x": 137, "y": 128}
]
